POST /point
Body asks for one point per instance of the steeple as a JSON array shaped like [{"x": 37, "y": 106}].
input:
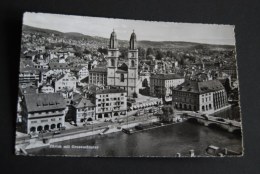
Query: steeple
[
  {"x": 133, "y": 42},
  {"x": 113, "y": 44}
]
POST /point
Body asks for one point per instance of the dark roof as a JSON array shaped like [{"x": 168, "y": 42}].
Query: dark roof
[
  {"x": 82, "y": 102},
  {"x": 55, "y": 65},
  {"x": 28, "y": 90},
  {"x": 167, "y": 76},
  {"x": 105, "y": 91},
  {"x": 99, "y": 69},
  {"x": 44, "y": 102},
  {"x": 200, "y": 87}
]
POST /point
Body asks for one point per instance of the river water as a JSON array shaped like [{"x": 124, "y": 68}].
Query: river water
[{"x": 165, "y": 141}]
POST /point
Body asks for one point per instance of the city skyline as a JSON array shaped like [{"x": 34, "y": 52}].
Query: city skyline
[{"x": 102, "y": 27}]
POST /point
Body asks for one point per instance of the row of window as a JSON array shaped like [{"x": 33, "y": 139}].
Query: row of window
[
  {"x": 109, "y": 104},
  {"x": 47, "y": 112},
  {"x": 45, "y": 120},
  {"x": 206, "y": 99},
  {"x": 86, "y": 109}
]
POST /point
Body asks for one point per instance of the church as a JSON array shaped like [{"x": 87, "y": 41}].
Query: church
[{"x": 124, "y": 76}]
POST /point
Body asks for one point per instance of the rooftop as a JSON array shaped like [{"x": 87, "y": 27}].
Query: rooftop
[
  {"x": 44, "y": 102},
  {"x": 167, "y": 76},
  {"x": 82, "y": 102},
  {"x": 200, "y": 87},
  {"x": 105, "y": 91},
  {"x": 99, "y": 69}
]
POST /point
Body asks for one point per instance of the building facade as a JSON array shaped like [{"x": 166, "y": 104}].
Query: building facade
[
  {"x": 65, "y": 81},
  {"x": 161, "y": 84},
  {"x": 207, "y": 96},
  {"x": 42, "y": 112},
  {"x": 110, "y": 104},
  {"x": 83, "y": 110},
  {"x": 126, "y": 76},
  {"x": 98, "y": 76}
]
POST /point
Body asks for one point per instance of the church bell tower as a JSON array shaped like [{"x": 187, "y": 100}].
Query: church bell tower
[
  {"x": 113, "y": 54},
  {"x": 133, "y": 64}
]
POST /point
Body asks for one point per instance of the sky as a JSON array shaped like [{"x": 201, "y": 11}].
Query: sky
[{"x": 145, "y": 30}]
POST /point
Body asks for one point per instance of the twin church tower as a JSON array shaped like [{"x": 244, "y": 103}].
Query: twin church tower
[{"x": 124, "y": 76}]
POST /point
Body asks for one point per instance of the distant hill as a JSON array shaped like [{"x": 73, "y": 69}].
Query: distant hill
[{"x": 124, "y": 43}]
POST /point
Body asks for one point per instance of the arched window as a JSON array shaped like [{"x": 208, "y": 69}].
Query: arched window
[
  {"x": 112, "y": 62},
  {"x": 132, "y": 63},
  {"x": 122, "y": 79}
]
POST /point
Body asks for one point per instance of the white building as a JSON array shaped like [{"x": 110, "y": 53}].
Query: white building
[
  {"x": 46, "y": 89},
  {"x": 80, "y": 72},
  {"x": 161, "y": 84},
  {"x": 42, "y": 112},
  {"x": 110, "y": 104},
  {"x": 65, "y": 82}
]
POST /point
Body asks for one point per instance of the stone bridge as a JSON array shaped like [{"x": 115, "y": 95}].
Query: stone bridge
[{"x": 211, "y": 121}]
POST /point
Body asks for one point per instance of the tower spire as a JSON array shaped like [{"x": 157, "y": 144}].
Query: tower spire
[
  {"x": 113, "y": 44},
  {"x": 133, "y": 42}
]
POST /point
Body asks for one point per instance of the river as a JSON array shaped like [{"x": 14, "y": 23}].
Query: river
[{"x": 165, "y": 141}]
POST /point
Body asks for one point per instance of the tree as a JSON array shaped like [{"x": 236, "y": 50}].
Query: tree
[
  {"x": 159, "y": 55},
  {"x": 141, "y": 52},
  {"x": 168, "y": 114},
  {"x": 124, "y": 52},
  {"x": 86, "y": 51},
  {"x": 169, "y": 53},
  {"x": 78, "y": 54},
  {"x": 135, "y": 95},
  {"x": 102, "y": 50},
  {"x": 149, "y": 51}
]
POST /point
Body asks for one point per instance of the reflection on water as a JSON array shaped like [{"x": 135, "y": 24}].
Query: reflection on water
[
  {"x": 232, "y": 113},
  {"x": 165, "y": 141}
]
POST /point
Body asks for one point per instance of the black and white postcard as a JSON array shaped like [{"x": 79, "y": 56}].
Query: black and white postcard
[{"x": 104, "y": 87}]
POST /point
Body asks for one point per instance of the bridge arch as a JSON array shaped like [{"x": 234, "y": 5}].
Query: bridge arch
[
  {"x": 214, "y": 126},
  {"x": 237, "y": 131},
  {"x": 193, "y": 120}
]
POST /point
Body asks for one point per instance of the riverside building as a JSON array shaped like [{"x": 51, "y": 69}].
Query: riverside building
[
  {"x": 207, "y": 96},
  {"x": 42, "y": 112}
]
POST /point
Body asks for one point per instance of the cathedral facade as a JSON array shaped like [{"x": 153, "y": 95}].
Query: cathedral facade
[{"x": 126, "y": 75}]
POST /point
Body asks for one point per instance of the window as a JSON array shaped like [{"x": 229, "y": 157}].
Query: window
[
  {"x": 112, "y": 62},
  {"x": 33, "y": 121},
  {"x": 133, "y": 54},
  {"x": 122, "y": 78},
  {"x": 132, "y": 63}
]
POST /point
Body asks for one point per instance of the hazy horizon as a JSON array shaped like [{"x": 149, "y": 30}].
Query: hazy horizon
[{"x": 95, "y": 27}]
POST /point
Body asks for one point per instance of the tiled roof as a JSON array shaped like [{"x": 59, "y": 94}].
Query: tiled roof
[
  {"x": 99, "y": 69},
  {"x": 105, "y": 91},
  {"x": 82, "y": 102},
  {"x": 44, "y": 102},
  {"x": 167, "y": 76},
  {"x": 200, "y": 87},
  {"x": 54, "y": 65}
]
